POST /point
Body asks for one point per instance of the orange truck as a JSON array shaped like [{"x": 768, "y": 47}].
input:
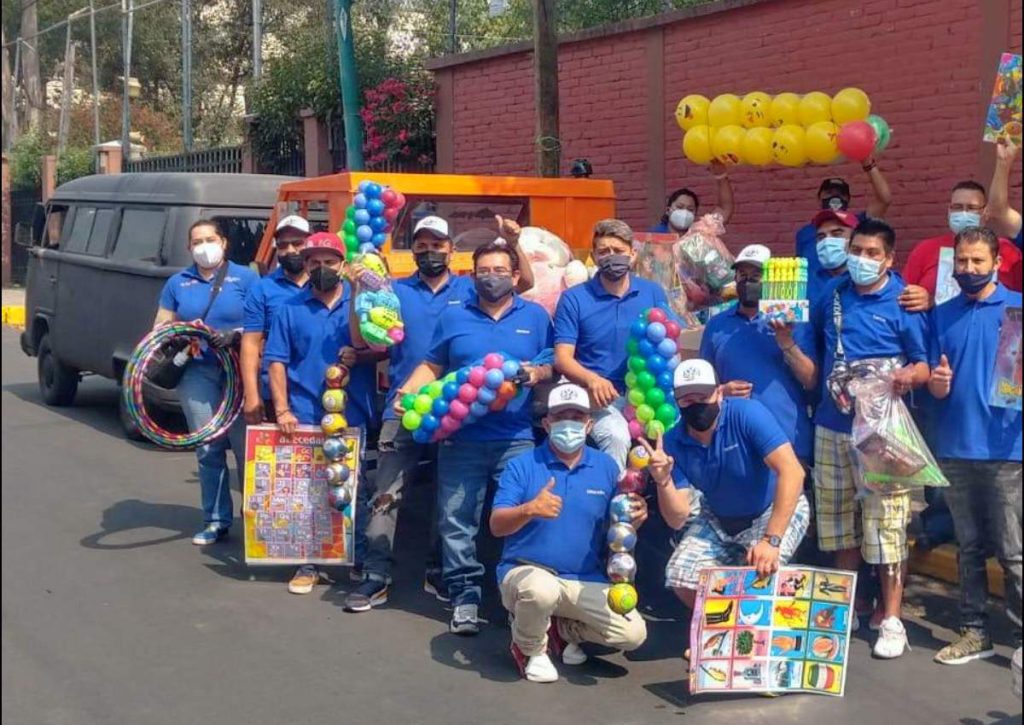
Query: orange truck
[{"x": 565, "y": 207}]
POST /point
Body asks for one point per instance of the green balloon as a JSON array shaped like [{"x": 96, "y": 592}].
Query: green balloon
[
  {"x": 654, "y": 429},
  {"x": 435, "y": 389},
  {"x": 422, "y": 404},
  {"x": 632, "y": 345},
  {"x": 411, "y": 420},
  {"x": 666, "y": 414},
  {"x": 645, "y": 381},
  {"x": 883, "y": 134},
  {"x": 644, "y": 413},
  {"x": 631, "y": 380},
  {"x": 350, "y": 213},
  {"x": 636, "y": 397},
  {"x": 637, "y": 364},
  {"x": 408, "y": 401},
  {"x": 349, "y": 227},
  {"x": 655, "y": 397}
]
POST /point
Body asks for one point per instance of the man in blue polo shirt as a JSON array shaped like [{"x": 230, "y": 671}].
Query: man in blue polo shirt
[
  {"x": 424, "y": 297},
  {"x": 730, "y": 476},
  {"x": 592, "y": 324},
  {"x": 978, "y": 444},
  {"x": 310, "y": 333},
  {"x": 833, "y": 231},
  {"x": 260, "y": 306},
  {"x": 878, "y": 337},
  {"x": 754, "y": 356},
  {"x": 551, "y": 507},
  {"x": 494, "y": 319}
]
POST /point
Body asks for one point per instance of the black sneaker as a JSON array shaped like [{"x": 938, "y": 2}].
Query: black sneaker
[
  {"x": 433, "y": 583},
  {"x": 465, "y": 620},
  {"x": 371, "y": 593}
]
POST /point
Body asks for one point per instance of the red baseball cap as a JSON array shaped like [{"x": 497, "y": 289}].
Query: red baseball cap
[
  {"x": 324, "y": 241},
  {"x": 846, "y": 218}
]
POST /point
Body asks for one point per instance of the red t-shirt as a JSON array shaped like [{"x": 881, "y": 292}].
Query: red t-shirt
[{"x": 922, "y": 266}]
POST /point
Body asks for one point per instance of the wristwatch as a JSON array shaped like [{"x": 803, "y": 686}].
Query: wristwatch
[{"x": 775, "y": 541}]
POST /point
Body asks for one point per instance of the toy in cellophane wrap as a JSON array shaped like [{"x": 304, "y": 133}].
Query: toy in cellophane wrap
[
  {"x": 890, "y": 450},
  {"x": 784, "y": 290},
  {"x": 463, "y": 396},
  {"x": 549, "y": 256},
  {"x": 653, "y": 357},
  {"x": 655, "y": 261},
  {"x": 370, "y": 218},
  {"x": 376, "y": 304},
  {"x": 704, "y": 265}
]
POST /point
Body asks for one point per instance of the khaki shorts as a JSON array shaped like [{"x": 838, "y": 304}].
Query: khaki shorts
[{"x": 876, "y": 523}]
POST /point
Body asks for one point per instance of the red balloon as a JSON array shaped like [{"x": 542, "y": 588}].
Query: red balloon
[
  {"x": 856, "y": 140},
  {"x": 388, "y": 197},
  {"x": 672, "y": 330},
  {"x": 656, "y": 315},
  {"x": 390, "y": 215},
  {"x": 399, "y": 199}
]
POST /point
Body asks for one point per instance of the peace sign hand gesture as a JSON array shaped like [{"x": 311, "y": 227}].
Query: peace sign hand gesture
[{"x": 661, "y": 463}]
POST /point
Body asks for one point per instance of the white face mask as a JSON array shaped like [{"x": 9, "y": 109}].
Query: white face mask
[
  {"x": 208, "y": 254},
  {"x": 680, "y": 219}
]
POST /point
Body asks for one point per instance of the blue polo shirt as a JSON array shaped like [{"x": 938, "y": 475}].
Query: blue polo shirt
[
  {"x": 598, "y": 323},
  {"x": 745, "y": 349},
  {"x": 421, "y": 307},
  {"x": 572, "y": 544},
  {"x": 306, "y": 336},
  {"x": 262, "y": 303},
  {"x": 874, "y": 325},
  {"x": 187, "y": 293},
  {"x": 465, "y": 334},
  {"x": 965, "y": 426},
  {"x": 730, "y": 471}
]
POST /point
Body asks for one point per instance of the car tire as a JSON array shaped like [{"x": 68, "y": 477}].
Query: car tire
[
  {"x": 131, "y": 430},
  {"x": 58, "y": 383}
]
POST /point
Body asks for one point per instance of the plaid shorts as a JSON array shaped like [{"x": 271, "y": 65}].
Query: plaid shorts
[
  {"x": 705, "y": 544},
  {"x": 849, "y": 516}
]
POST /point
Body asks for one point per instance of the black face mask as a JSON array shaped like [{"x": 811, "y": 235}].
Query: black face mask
[
  {"x": 749, "y": 293},
  {"x": 291, "y": 263},
  {"x": 324, "y": 279},
  {"x": 431, "y": 264},
  {"x": 701, "y": 416},
  {"x": 614, "y": 267},
  {"x": 972, "y": 283},
  {"x": 492, "y": 287},
  {"x": 835, "y": 203}
]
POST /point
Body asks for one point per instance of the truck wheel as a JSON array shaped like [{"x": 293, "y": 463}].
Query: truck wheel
[
  {"x": 131, "y": 430},
  {"x": 57, "y": 382}
]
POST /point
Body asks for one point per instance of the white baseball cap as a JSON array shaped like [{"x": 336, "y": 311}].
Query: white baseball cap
[
  {"x": 434, "y": 225},
  {"x": 694, "y": 377},
  {"x": 292, "y": 221},
  {"x": 568, "y": 396},
  {"x": 755, "y": 254}
]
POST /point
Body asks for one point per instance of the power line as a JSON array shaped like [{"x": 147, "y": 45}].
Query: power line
[{"x": 74, "y": 16}]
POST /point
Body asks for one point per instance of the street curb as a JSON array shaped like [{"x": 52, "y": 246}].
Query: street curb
[
  {"x": 14, "y": 316},
  {"x": 941, "y": 563}
]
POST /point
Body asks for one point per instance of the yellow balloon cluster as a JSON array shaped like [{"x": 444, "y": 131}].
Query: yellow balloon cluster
[{"x": 758, "y": 128}]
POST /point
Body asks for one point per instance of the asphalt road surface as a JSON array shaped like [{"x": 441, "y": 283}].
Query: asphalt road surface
[{"x": 111, "y": 616}]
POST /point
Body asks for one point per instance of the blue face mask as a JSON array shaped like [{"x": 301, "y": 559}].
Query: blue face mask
[
  {"x": 832, "y": 252},
  {"x": 960, "y": 220},
  {"x": 568, "y": 436},
  {"x": 863, "y": 271}
]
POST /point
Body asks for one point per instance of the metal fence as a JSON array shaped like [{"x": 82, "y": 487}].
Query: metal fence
[
  {"x": 226, "y": 160},
  {"x": 23, "y": 207}
]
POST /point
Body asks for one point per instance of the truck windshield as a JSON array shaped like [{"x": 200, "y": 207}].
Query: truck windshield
[{"x": 470, "y": 220}]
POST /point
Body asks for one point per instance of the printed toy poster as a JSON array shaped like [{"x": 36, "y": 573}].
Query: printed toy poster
[
  {"x": 1004, "y": 112},
  {"x": 946, "y": 288},
  {"x": 288, "y": 514},
  {"x": 789, "y": 632},
  {"x": 1006, "y": 379}
]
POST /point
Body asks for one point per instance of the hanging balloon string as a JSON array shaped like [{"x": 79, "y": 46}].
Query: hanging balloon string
[{"x": 141, "y": 361}]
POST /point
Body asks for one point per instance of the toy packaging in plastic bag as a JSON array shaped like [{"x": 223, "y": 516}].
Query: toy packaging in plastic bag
[
  {"x": 376, "y": 304},
  {"x": 549, "y": 257},
  {"x": 655, "y": 261},
  {"x": 704, "y": 265},
  {"x": 892, "y": 453}
]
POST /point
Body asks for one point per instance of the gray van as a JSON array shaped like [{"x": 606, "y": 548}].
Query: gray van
[{"x": 102, "y": 249}]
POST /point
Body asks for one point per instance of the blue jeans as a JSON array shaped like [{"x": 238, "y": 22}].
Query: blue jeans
[
  {"x": 611, "y": 432},
  {"x": 200, "y": 391},
  {"x": 464, "y": 471}
]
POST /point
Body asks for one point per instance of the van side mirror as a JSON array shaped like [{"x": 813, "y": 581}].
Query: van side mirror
[{"x": 38, "y": 223}]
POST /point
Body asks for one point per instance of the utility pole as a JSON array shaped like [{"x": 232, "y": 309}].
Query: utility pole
[
  {"x": 545, "y": 70},
  {"x": 453, "y": 18},
  {"x": 30, "y": 63},
  {"x": 257, "y": 40},
  {"x": 95, "y": 76},
  {"x": 349, "y": 80},
  {"x": 66, "y": 91},
  {"x": 127, "y": 9},
  {"x": 186, "y": 74},
  {"x": 8, "y": 95}
]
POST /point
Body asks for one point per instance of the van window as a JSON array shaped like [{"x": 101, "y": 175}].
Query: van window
[
  {"x": 100, "y": 232},
  {"x": 141, "y": 235},
  {"x": 243, "y": 235},
  {"x": 81, "y": 226},
  {"x": 56, "y": 219},
  {"x": 470, "y": 220}
]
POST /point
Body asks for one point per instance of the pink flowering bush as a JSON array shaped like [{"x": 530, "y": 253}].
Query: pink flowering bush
[{"x": 398, "y": 122}]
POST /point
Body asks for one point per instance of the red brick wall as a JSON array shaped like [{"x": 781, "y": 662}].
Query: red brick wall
[{"x": 927, "y": 65}]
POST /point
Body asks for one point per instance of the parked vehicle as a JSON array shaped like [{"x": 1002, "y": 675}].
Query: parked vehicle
[{"x": 102, "y": 248}]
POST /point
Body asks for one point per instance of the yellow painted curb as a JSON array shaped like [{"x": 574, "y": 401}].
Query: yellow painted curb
[
  {"x": 941, "y": 563},
  {"x": 14, "y": 316}
]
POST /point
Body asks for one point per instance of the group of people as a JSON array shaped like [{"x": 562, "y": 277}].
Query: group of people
[{"x": 763, "y": 452}]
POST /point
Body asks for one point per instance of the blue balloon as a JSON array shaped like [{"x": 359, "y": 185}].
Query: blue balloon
[
  {"x": 656, "y": 364},
  {"x": 494, "y": 378},
  {"x": 429, "y": 422},
  {"x": 673, "y": 362},
  {"x": 421, "y": 435},
  {"x": 372, "y": 190},
  {"x": 367, "y": 248},
  {"x": 667, "y": 348},
  {"x": 379, "y": 239},
  {"x": 639, "y": 329},
  {"x": 378, "y": 224},
  {"x": 656, "y": 332},
  {"x": 440, "y": 407},
  {"x": 510, "y": 368},
  {"x": 462, "y": 376},
  {"x": 477, "y": 409},
  {"x": 486, "y": 396},
  {"x": 375, "y": 206},
  {"x": 364, "y": 185},
  {"x": 450, "y": 391},
  {"x": 361, "y": 217},
  {"x": 665, "y": 381},
  {"x": 645, "y": 349},
  {"x": 359, "y": 201},
  {"x": 364, "y": 234}
]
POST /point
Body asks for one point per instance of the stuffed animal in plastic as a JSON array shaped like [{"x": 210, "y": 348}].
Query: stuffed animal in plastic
[{"x": 549, "y": 257}]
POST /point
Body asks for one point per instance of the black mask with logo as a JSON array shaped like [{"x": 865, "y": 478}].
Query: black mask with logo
[{"x": 324, "y": 279}]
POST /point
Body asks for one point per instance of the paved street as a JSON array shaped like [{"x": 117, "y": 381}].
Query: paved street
[{"x": 111, "y": 616}]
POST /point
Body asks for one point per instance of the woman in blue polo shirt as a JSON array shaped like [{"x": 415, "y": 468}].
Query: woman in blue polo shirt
[{"x": 213, "y": 289}]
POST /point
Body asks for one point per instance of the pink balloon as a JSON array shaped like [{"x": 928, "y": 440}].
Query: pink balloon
[
  {"x": 856, "y": 140},
  {"x": 449, "y": 424},
  {"x": 458, "y": 410},
  {"x": 399, "y": 199},
  {"x": 629, "y": 412},
  {"x": 476, "y": 378},
  {"x": 494, "y": 360},
  {"x": 390, "y": 215},
  {"x": 672, "y": 330},
  {"x": 397, "y": 334},
  {"x": 388, "y": 197},
  {"x": 636, "y": 429},
  {"x": 468, "y": 393}
]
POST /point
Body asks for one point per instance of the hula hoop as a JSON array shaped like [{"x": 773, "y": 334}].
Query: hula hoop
[{"x": 135, "y": 375}]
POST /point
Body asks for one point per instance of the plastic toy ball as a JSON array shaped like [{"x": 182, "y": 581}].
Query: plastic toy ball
[
  {"x": 450, "y": 391},
  {"x": 334, "y": 449},
  {"x": 337, "y": 473},
  {"x": 411, "y": 420},
  {"x": 423, "y": 404},
  {"x": 468, "y": 393},
  {"x": 622, "y": 598},
  {"x": 639, "y": 458},
  {"x": 656, "y": 364},
  {"x": 667, "y": 347},
  {"x": 458, "y": 410},
  {"x": 336, "y": 376},
  {"x": 638, "y": 329},
  {"x": 494, "y": 378},
  {"x": 656, "y": 315},
  {"x": 339, "y": 497},
  {"x": 477, "y": 376},
  {"x": 372, "y": 190},
  {"x": 494, "y": 361},
  {"x": 632, "y": 480},
  {"x": 333, "y": 423},
  {"x": 439, "y": 408},
  {"x": 655, "y": 331},
  {"x": 621, "y": 568},
  {"x": 486, "y": 396},
  {"x": 510, "y": 368},
  {"x": 621, "y": 509},
  {"x": 478, "y": 409},
  {"x": 621, "y": 538},
  {"x": 333, "y": 400}
]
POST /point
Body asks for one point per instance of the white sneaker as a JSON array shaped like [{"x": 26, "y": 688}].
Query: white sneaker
[
  {"x": 540, "y": 668},
  {"x": 573, "y": 654},
  {"x": 892, "y": 639}
]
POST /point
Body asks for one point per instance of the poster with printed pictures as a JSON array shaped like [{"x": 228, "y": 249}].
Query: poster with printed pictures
[
  {"x": 288, "y": 516},
  {"x": 789, "y": 632},
  {"x": 1007, "y": 376}
]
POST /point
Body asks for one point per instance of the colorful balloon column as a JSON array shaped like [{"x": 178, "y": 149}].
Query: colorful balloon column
[
  {"x": 621, "y": 537},
  {"x": 789, "y": 129},
  {"x": 376, "y": 304},
  {"x": 653, "y": 356},
  {"x": 370, "y": 218}
]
